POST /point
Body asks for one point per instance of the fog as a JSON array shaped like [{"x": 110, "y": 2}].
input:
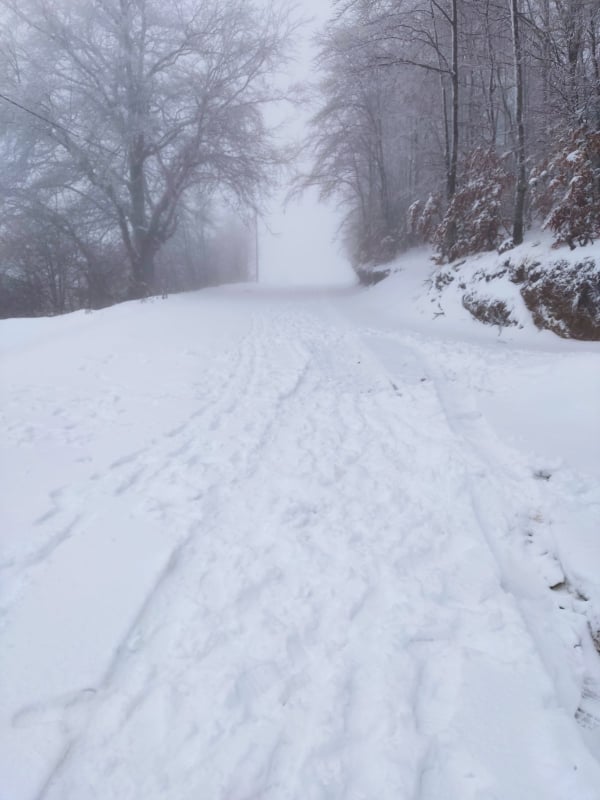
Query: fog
[
  {"x": 298, "y": 243},
  {"x": 298, "y": 247}
]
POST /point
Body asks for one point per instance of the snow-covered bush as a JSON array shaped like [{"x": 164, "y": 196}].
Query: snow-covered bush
[
  {"x": 566, "y": 188},
  {"x": 424, "y": 218},
  {"x": 489, "y": 310},
  {"x": 474, "y": 220}
]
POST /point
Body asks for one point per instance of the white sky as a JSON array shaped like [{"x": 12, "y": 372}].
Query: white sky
[{"x": 296, "y": 243}]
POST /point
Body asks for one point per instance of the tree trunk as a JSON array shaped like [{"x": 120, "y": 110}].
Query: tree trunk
[
  {"x": 452, "y": 172},
  {"x": 521, "y": 187},
  {"x": 143, "y": 266},
  {"x": 143, "y": 273},
  {"x": 595, "y": 67},
  {"x": 453, "y": 165}
]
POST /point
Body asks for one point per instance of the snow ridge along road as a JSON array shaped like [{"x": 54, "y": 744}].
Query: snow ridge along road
[{"x": 293, "y": 576}]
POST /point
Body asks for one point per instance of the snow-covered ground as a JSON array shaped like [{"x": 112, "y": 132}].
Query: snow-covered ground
[{"x": 298, "y": 544}]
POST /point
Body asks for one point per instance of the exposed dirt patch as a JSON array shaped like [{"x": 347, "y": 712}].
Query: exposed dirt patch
[
  {"x": 488, "y": 310},
  {"x": 563, "y": 297},
  {"x": 370, "y": 275},
  {"x": 596, "y": 639}
]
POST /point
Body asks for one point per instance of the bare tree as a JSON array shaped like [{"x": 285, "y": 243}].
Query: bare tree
[
  {"x": 139, "y": 102},
  {"x": 380, "y": 84},
  {"x": 489, "y": 82}
]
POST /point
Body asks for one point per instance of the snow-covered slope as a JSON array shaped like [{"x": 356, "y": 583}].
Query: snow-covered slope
[
  {"x": 260, "y": 544},
  {"x": 555, "y": 287}
]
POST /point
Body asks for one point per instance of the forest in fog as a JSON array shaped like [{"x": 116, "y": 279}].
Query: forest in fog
[
  {"x": 460, "y": 123},
  {"x": 134, "y": 146},
  {"x": 137, "y": 157}
]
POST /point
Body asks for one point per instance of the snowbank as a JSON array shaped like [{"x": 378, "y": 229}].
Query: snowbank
[{"x": 559, "y": 289}]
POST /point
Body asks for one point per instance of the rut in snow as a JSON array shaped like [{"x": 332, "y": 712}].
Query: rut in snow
[
  {"x": 332, "y": 600},
  {"x": 327, "y": 609}
]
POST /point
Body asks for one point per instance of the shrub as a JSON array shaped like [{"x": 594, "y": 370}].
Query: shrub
[
  {"x": 425, "y": 217},
  {"x": 566, "y": 188},
  {"x": 473, "y": 222}
]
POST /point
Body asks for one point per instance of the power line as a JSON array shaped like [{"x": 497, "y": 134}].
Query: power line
[
  {"x": 35, "y": 114},
  {"x": 53, "y": 124}
]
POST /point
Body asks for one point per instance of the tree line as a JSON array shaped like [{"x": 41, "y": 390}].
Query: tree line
[
  {"x": 459, "y": 122},
  {"x": 126, "y": 128}
]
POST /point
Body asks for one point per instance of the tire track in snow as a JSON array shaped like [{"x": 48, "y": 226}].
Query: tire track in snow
[
  {"x": 525, "y": 485},
  {"x": 247, "y": 592},
  {"x": 243, "y": 377},
  {"x": 225, "y": 379},
  {"x": 518, "y": 495},
  {"x": 317, "y": 635},
  {"x": 221, "y": 377}
]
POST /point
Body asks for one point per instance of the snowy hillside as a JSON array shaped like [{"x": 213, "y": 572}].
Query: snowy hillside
[
  {"x": 556, "y": 288},
  {"x": 271, "y": 544}
]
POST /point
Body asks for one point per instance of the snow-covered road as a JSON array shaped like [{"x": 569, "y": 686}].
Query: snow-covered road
[{"x": 255, "y": 549}]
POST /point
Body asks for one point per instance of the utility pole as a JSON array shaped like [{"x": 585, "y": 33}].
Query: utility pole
[{"x": 256, "y": 248}]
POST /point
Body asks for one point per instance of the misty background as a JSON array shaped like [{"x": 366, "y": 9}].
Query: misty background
[
  {"x": 152, "y": 150},
  {"x": 299, "y": 243}
]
